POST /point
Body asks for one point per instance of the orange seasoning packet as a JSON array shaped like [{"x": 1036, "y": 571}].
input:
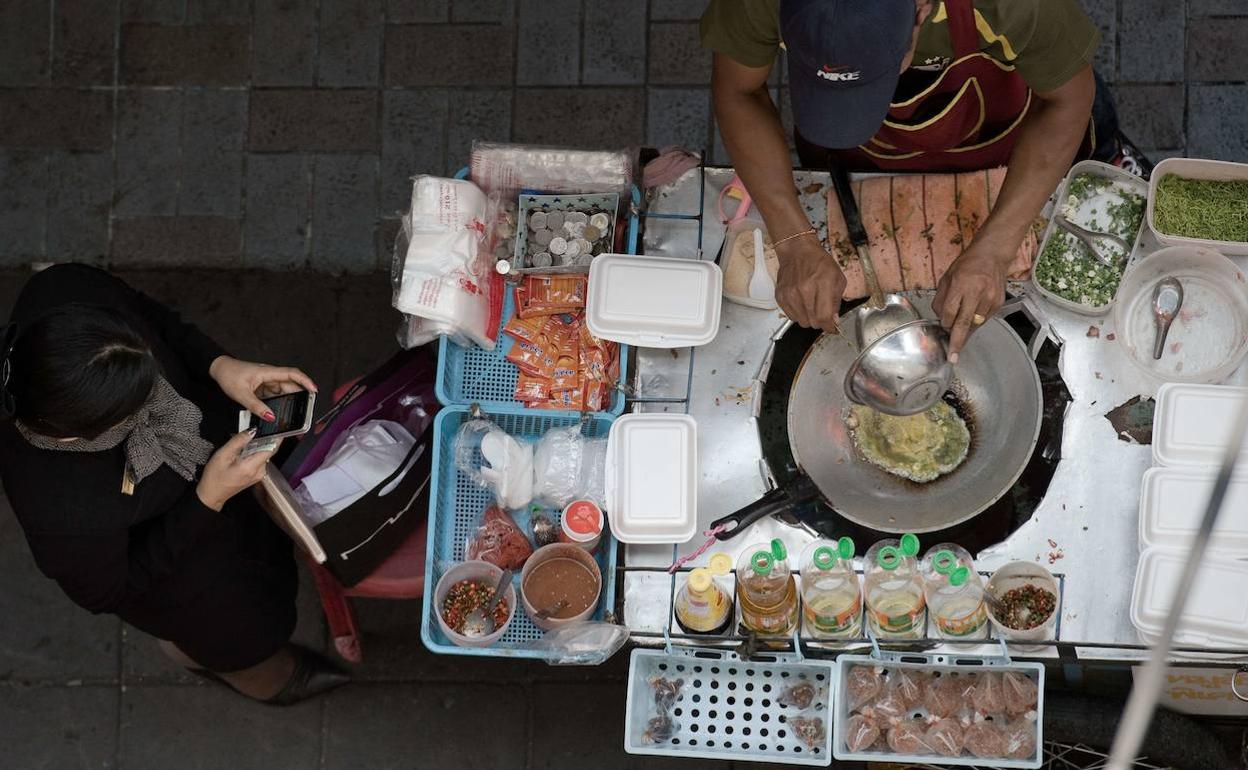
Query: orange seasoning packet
[
  {"x": 532, "y": 390},
  {"x": 533, "y": 358},
  {"x": 551, "y": 294},
  {"x": 525, "y": 329}
]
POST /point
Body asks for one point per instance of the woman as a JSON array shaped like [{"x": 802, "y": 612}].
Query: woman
[{"x": 113, "y": 406}]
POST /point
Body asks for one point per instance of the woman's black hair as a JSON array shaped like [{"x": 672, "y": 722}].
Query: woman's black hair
[{"x": 78, "y": 370}]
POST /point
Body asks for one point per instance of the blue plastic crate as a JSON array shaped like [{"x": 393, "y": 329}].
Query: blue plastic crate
[
  {"x": 455, "y": 506},
  {"x": 471, "y": 375}
]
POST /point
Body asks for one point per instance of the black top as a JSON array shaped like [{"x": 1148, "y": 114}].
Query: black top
[{"x": 112, "y": 552}]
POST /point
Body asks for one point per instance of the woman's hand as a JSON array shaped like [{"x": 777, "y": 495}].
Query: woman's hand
[
  {"x": 247, "y": 383},
  {"x": 227, "y": 473}
]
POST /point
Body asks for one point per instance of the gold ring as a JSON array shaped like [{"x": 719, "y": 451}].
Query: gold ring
[{"x": 978, "y": 319}]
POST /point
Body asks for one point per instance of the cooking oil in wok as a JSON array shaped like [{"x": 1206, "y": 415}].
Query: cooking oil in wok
[{"x": 896, "y": 608}]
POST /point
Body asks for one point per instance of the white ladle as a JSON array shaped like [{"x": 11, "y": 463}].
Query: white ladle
[{"x": 761, "y": 286}]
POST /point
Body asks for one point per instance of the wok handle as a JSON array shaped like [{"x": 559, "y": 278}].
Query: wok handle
[{"x": 798, "y": 491}]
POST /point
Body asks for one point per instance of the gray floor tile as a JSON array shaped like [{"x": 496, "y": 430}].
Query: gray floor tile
[
  {"x": 549, "y": 43},
  {"x": 593, "y": 728},
  {"x": 278, "y": 216},
  {"x": 367, "y": 324},
  {"x": 417, "y": 11},
  {"x": 25, "y": 55},
  {"x": 1216, "y": 116},
  {"x": 615, "y": 43},
  {"x": 349, "y": 43},
  {"x": 23, "y": 205},
  {"x": 283, "y": 43},
  {"x": 60, "y": 727},
  {"x": 1151, "y": 42},
  {"x": 79, "y": 194},
  {"x": 473, "y": 727},
  {"x": 45, "y": 636},
  {"x": 476, "y": 116},
  {"x": 207, "y": 727},
  {"x": 84, "y": 47},
  {"x": 214, "y": 124},
  {"x": 344, "y": 213},
  {"x": 149, "y": 125},
  {"x": 678, "y": 116}
]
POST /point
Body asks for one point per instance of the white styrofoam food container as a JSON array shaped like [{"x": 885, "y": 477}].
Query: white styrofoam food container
[
  {"x": 652, "y": 478},
  {"x": 1172, "y": 504},
  {"x": 1195, "y": 168},
  {"x": 1216, "y": 611},
  {"x": 1193, "y": 423},
  {"x": 965, "y": 665},
  {"x": 654, "y": 302}
]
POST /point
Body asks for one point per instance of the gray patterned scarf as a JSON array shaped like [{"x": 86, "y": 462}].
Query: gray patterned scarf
[{"x": 165, "y": 431}]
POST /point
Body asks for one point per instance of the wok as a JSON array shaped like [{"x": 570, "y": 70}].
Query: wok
[{"x": 996, "y": 389}]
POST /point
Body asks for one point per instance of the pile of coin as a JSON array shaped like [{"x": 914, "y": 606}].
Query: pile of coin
[{"x": 561, "y": 237}]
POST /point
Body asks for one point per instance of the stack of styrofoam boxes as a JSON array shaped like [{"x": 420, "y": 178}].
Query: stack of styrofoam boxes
[{"x": 1191, "y": 429}]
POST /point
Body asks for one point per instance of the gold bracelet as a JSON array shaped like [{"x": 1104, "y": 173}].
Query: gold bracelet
[{"x": 808, "y": 231}]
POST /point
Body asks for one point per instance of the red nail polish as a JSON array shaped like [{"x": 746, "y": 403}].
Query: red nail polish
[{"x": 270, "y": 417}]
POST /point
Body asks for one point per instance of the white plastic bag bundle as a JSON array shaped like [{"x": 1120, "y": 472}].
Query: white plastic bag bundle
[
  {"x": 494, "y": 460},
  {"x": 359, "y": 460},
  {"x": 442, "y": 282}
]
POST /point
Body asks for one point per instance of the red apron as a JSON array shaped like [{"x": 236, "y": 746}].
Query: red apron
[{"x": 967, "y": 119}]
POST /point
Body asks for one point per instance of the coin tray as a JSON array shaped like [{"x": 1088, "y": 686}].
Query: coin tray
[{"x": 587, "y": 203}]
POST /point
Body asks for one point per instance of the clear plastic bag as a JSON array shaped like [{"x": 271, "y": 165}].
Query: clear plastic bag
[
  {"x": 860, "y": 733},
  {"x": 810, "y": 731},
  {"x": 358, "y": 461},
  {"x": 584, "y": 643},
  {"x": 800, "y": 696},
  {"x": 492, "y": 459},
  {"x": 442, "y": 272},
  {"x": 498, "y": 540},
  {"x": 568, "y": 466}
]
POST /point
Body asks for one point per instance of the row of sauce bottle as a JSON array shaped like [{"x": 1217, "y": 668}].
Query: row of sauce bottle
[{"x": 899, "y": 590}]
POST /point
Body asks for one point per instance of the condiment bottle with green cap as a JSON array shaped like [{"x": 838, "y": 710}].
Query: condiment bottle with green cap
[
  {"x": 831, "y": 595},
  {"x": 896, "y": 607},
  {"x": 766, "y": 590},
  {"x": 702, "y": 606},
  {"x": 955, "y": 592}
]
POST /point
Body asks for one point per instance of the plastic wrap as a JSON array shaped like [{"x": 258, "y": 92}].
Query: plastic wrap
[
  {"x": 946, "y": 737},
  {"x": 568, "y": 466},
  {"x": 505, "y": 169},
  {"x": 909, "y": 737},
  {"x": 860, "y": 733},
  {"x": 809, "y": 730},
  {"x": 583, "y": 643},
  {"x": 984, "y": 739},
  {"x": 800, "y": 696},
  {"x": 1019, "y": 692},
  {"x": 358, "y": 461},
  {"x": 442, "y": 271},
  {"x": 496, "y": 461},
  {"x": 863, "y": 684},
  {"x": 989, "y": 696}
]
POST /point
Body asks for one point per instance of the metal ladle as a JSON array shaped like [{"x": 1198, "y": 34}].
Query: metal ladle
[
  {"x": 480, "y": 622},
  {"x": 1167, "y": 299},
  {"x": 1095, "y": 242}
]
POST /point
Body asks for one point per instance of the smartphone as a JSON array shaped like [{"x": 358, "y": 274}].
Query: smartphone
[{"x": 292, "y": 410}]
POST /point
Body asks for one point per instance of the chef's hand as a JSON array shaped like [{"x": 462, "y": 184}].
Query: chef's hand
[
  {"x": 227, "y": 473},
  {"x": 810, "y": 283},
  {"x": 974, "y": 285},
  {"x": 247, "y": 383}
]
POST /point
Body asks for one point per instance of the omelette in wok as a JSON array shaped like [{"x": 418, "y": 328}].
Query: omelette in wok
[{"x": 921, "y": 447}]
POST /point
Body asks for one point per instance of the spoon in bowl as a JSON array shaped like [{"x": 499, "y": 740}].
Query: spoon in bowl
[
  {"x": 1167, "y": 299},
  {"x": 480, "y": 622}
]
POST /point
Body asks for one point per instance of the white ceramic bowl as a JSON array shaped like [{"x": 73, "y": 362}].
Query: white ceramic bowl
[
  {"x": 1209, "y": 339},
  {"x": 473, "y": 570},
  {"x": 559, "y": 551}
]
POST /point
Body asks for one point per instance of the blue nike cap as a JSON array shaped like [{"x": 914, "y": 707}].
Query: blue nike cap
[{"x": 844, "y": 59}]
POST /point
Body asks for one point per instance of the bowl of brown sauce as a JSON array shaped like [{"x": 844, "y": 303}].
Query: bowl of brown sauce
[{"x": 562, "y": 579}]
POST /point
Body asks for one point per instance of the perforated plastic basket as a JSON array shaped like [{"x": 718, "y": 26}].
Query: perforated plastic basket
[
  {"x": 455, "y": 506},
  {"x": 472, "y": 375},
  {"x": 727, "y": 707}
]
